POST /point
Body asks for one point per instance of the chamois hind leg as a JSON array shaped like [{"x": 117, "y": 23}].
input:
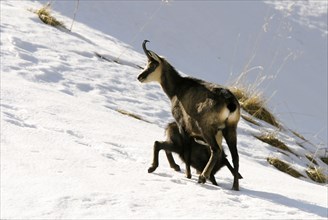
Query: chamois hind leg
[
  {"x": 172, "y": 163},
  {"x": 232, "y": 170},
  {"x": 216, "y": 154},
  {"x": 230, "y": 135},
  {"x": 212, "y": 179}
]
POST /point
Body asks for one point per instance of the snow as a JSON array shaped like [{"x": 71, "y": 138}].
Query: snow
[
  {"x": 287, "y": 40},
  {"x": 66, "y": 151}
]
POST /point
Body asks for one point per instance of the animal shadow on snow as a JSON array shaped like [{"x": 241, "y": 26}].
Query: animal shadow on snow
[
  {"x": 289, "y": 202},
  {"x": 183, "y": 181}
]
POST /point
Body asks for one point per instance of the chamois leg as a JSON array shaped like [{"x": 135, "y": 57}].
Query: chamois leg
[
  {"x": 157, "y": 147},
  {"x": 232, "y": 170},
  {"x": 216, "y": 154},
  {"x": 230, "y": 135},
  {"x": 212, "y": 179},
  {"x": 156, "y": 150},
  {"x": 171, "y": 161},
  {"x": 186, "y": 142},
  {"x": 164, "y": 145},
  {"x": 187, "y": 161}
]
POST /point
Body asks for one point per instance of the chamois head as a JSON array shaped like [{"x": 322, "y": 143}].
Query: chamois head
[{"x": 153, "y": 69}]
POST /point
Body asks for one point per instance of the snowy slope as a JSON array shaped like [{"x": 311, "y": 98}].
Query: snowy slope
[
  {"x": 284, "y": 42},
  {"x": 66, "y": 152}
]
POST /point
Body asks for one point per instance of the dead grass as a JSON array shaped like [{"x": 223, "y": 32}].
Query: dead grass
[
  {"x": 46, "y": 17},
  {"x": 284, "y": 167},
  {"x": 131, "y": 115},
  {"x": 271, "y": 139},
  {"x": 311, "y": 159},
  {"x": 249, "y": 119},
  {"x": 316, "y": 174},
  {"x": 299, "y": 135},
  {"x": 254, "y": 104}
]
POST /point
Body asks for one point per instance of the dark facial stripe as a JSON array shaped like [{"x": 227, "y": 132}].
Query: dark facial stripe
[{"x": 151, "y": 68}]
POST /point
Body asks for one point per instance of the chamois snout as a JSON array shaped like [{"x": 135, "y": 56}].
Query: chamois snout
[
  {"x": 146, "y": 74},
  {"x": 143, "y": 76}
]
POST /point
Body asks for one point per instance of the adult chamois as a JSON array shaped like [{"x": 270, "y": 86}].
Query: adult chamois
[
  {"x": 201, "y": 109},
  {"x": 192, "y": 152}
]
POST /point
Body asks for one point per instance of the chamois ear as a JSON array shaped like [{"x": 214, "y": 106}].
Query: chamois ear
[{"x": 154, "y": 56}]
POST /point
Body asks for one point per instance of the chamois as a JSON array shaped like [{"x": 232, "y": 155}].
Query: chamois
[
  {"x": 201, "y": 109},
  {"x": 189, "y": 150}
]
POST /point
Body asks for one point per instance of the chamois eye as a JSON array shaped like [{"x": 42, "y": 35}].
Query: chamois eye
[{"x": 153, "y": 65}]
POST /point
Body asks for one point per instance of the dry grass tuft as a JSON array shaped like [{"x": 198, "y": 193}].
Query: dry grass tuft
[
  {"x": 249, "y": 119},
  {"x": 284, "y": 167},
  {"x": 254, "y": 105},
  {"x": 131, "y": 115},
  {"x": 299, "y": 135},
  {"x": 47, "y": 18},
  {"x": 316, "y": 175},
  {"x": 311, "y": 159},
  {"x": 270, "y": 138}
]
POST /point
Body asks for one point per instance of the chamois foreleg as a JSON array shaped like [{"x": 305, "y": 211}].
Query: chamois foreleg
[
  {"x": 168, "y": 147},
  {"x": 187, "y": 155},
  {"x": 216, "y": 154},
  {"x": 171, "y": 161},
  {"x": 230, "y": 135},
  {"x": 185, "y": 145}
]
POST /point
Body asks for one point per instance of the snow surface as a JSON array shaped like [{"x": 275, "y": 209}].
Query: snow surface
[
  {"x": 66, "y": 151},
  {"x": 283, "y": 43}
]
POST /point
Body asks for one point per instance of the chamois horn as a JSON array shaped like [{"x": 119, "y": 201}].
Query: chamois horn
[{"x": 145, "y": 49}]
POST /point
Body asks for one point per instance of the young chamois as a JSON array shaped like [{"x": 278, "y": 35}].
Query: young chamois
[
  {"x": 189, "y": 150},
  {"x": 201, "y": 109}
]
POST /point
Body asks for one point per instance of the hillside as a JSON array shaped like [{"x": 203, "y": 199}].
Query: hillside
[
  {"x": 67, "y": 151},
  {"x": 281, "y": 47}
]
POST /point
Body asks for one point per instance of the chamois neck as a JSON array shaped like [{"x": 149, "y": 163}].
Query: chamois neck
[{"x": 170, "y": 80}]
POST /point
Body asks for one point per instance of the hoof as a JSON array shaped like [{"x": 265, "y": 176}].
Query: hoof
[
  {"x": 176, "y": 168},
  {"x": 188, "y": 176},
  {"x": 235, "y": 187},
  {"x": 215, "y": 183},
  {"x": 201, "y": 179},
  {"x": 151, "y": 169}
]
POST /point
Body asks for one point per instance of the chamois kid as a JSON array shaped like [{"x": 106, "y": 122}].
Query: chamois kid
[
  {"x": 201, "y": 109},
  {"x": 189, "y": 150}
]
